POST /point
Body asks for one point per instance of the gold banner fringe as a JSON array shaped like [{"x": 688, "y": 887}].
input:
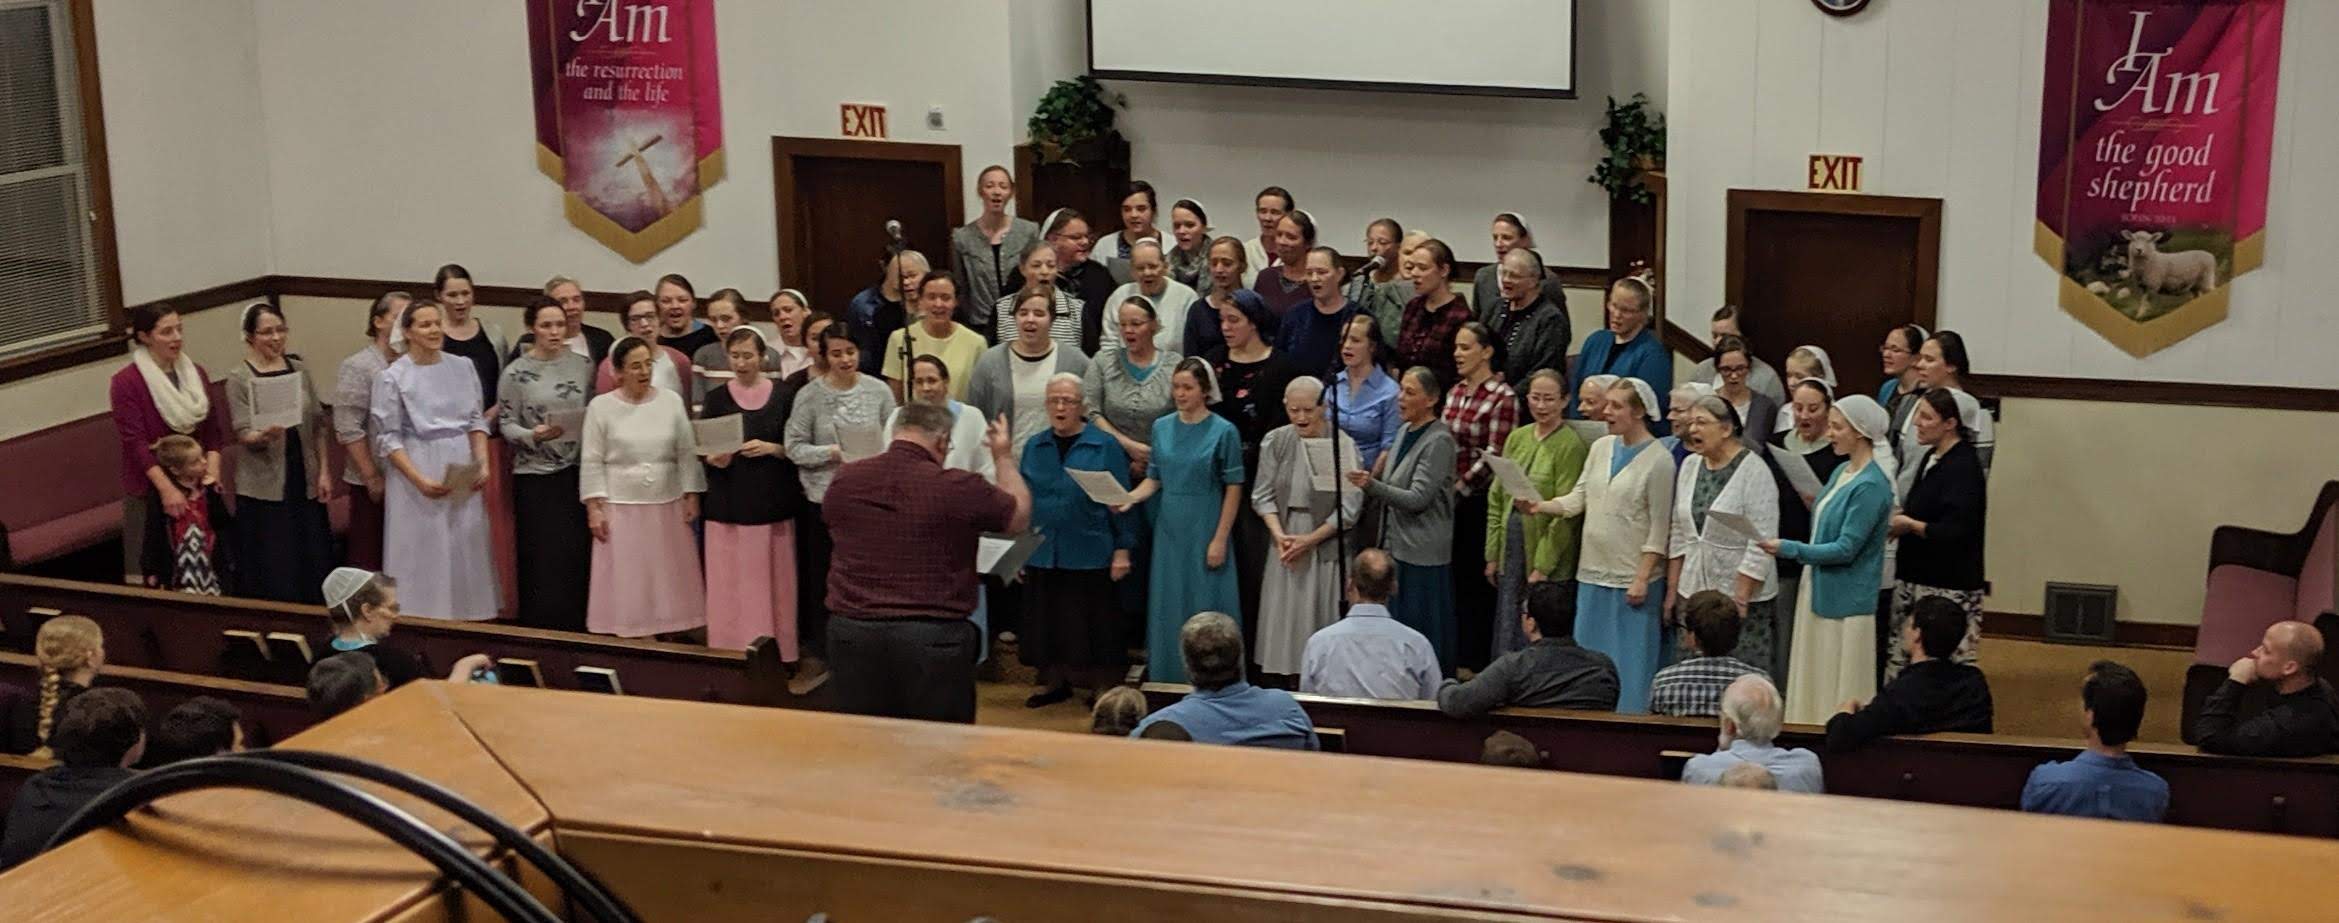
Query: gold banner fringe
[
  {"x": 550, "y": 164},
  {"x": 2143, "y": 338},
  {"x": 2248, "y": 253},
  {"x": 635, "y": 246}
]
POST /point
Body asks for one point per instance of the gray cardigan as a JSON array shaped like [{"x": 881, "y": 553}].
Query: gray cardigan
[
  {"x": 1417, "y": 495},
  {"x": 986, "y": 280},
  {"x": 260, "y": 471},
  {"x": 990, "y": 388}
]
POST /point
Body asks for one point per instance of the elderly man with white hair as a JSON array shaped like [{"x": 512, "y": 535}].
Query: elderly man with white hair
[{"x": 1751, "y": 712}]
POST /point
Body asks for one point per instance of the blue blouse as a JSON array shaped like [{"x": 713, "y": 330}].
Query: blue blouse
[
  {"x": 1644, "y": 358},
  {"x": 1076, "y": 533},
  {"x": 1371, "y": 419}
]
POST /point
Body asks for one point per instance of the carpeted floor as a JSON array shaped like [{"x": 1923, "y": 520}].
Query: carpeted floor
[{"x": 2035, "y": 686}]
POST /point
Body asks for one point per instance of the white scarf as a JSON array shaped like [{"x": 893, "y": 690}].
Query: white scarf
[{"x": 182, "y": 405}]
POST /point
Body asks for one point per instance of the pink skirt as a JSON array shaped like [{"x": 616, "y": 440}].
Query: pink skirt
[
  {"x": 646, "y": 576},
  {"x": 751, "y": 586}
]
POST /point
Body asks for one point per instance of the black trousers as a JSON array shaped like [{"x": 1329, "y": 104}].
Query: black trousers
[
  {"x": 813, "y": 551},
  {"x": 1474, "y": 597},
  {"x": 904, "y": 667}
]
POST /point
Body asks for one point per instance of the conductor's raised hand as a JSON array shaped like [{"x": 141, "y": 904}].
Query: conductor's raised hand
[{"x": 995, "y": 436}]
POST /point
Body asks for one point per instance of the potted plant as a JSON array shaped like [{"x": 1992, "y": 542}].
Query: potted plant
[
  {"x": 1635, "y": 137},
  {"x": 1074, "y": 123}
]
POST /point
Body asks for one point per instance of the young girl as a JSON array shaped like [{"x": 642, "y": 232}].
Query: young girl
[
  {"x": 70, "y": 649},
  {"x": 185, "y": 552}
]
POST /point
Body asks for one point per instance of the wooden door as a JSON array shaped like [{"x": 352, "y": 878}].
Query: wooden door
[
  {"x": 1831, "y": 270},
  {"x": 832, "y": 199}
]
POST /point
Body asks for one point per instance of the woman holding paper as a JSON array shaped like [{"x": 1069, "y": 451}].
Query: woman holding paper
[
  {"x": 431, "y": 429},
  {"x": 1834, "y": 658},
  {"x": 544, "y": 390},
  {"x": 1197, "y": 468},
  {"x": 1522, "y": 547},
  {"x": 1626, "y": 498},
  {"x": 752, "y": 500},
  {"x": 1071, "y": 604},
  {"x": 838, "y": 402},
  {"x": 640, "y": 477},
  {"x": 1803, "y": 443},
  {"x": 283, "y": 540},
  {"x": 1294, "y": 493},
  {"x": 1940, "y": 523},
  {"x": 1413, "y": 482},
  {"x": 1724, "y": 501}
]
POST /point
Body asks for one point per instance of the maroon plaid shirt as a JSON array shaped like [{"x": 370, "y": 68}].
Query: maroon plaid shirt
[
  {"x": 1481, "y": 418},
  {"x": 1426, "y": 337},
  {"x": 905, "y": 530}
]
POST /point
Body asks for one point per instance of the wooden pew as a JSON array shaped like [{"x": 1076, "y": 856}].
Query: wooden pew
[
  {"x": 2296, "y": 796},
  {"x": 271, "y": 712},
  {"x": 14, "y": 770},
  {"x": 179, "y": 632}
]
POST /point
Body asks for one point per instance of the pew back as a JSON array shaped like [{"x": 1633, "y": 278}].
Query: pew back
[{"x": 271, "y": 712}]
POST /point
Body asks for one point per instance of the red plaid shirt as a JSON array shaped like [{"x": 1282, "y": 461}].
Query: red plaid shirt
[
  {"x": 1426, "y": 337},
  {"x": 1481, "y": 418},
  {"x": 905, "y": 530}
]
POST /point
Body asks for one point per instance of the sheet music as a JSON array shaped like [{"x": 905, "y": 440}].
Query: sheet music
[
  {"x": 1735, "y": 524},
  {"x": 1003, "y": 556},
  {"x": 719, "y": 436},
  {"x": 571, "y": 422},
  {"x": 1101, "y": 487},
  {"x": 1588, "y": 430},
  {"x": 276, "y": 401},
  {"x": 860, "y": 442},
  {"x": 1513, "y": 478},
  {"x": 716, "y": 374},
  {"x": 1325, "y": 475},
  {"x": 461, "y": 480},
  {"x": 1798, "y": 472}
]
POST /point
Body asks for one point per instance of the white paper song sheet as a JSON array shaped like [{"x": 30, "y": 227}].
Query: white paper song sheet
[
  {"x": 570, "y": 421},
  {"x": 1100, "y": 486},
  {"x": 1736, "y": 524},
  {"x": 1003, "y": 556},
  {"x": 1798, "y": 472},
  {"x": 860, "y": 442},
  {"x": 1514, "y": 479},
  {"x": 719, "y": 436},
  {"x": 460, "y": 481},
  {"x": 276, "y": 401},
  {"x": 1320, "y": 467}
]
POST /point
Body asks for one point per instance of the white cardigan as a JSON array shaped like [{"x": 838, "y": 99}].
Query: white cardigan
[
  {"x": 1625, "y": 516},
  {"x": 1713, "y": 558},
  {"x": 639, "y": 453}
]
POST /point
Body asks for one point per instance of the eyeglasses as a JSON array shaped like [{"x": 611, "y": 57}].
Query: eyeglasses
[
  {"x": 1055, "y": 400},
  {"x": 1733, "y": 369}
]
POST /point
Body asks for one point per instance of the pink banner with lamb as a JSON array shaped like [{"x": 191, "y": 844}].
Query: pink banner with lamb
[{"x": 2155, "y": 136}]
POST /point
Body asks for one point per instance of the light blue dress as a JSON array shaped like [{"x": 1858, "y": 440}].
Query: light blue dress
[
  {"x": 1630, "y": 635},
  {"x": 1195, "y": 462}
]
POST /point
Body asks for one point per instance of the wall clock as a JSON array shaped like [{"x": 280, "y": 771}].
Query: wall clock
[{"x": 1840, "y": 7}]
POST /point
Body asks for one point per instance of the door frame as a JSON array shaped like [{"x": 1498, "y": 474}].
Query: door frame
[
  {"x": 795, "y": 246},
  {"x": 1927, "y": 213}
]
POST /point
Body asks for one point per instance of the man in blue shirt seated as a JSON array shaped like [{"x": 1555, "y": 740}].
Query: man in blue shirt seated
[
  {"x": 1369, "y": 654},
  {"x": 1223, "y": 709},
  {"x": 1751, "y": 715},
  {"x": 2102, "y": 781}
]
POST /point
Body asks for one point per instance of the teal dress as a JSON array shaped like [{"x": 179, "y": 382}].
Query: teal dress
[{"x": 1195, "y": 462}]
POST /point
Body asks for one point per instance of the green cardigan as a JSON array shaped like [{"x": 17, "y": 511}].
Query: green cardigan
[{"x": 1552, "y": 464}]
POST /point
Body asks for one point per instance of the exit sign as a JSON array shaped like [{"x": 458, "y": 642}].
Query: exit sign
[
  {"x": 862, "y": 120},
  {"x": 1835, "y": 173}
]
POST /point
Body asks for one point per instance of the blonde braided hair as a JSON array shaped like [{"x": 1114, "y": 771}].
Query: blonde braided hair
[{"x": 65, "y": 644}]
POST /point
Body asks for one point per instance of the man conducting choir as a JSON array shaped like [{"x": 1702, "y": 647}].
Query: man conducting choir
[{"x": 902, "y": 579}]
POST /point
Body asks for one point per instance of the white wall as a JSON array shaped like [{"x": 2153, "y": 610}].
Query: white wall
[
  {"x": 1943, "y": 101},
  {"x": 186, "y": 152},
  {"x": 1446, "y": 164},
  {"x": 401, "y": 133}
]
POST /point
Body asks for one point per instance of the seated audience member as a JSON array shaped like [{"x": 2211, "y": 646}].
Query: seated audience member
[
  {"x": 363, "y": 607},
  {"x": 1117, "y": 712},
  {"x": 1163, "y": 730},
  {"x": 199, "y": 727},
  {"x": 1933, "y": 694},
  {"x": 1709, "y": 623},
  {"x": 1504, "y": 748},
  {"x": 2304, "y": 717},
  {"x": 1223, "y": 709},
  {"x": 1552, "y": 671},
  {"x": 2102, "y": 781},
  {"x": 1751, "y": 714},
  {"x": 1750, "y": 775},
  {"x": 344, "y": 681},
  {"x": 99, "y": 736},
  {"x": 69, "y": 650},
  {"x": 1369, "y": 654}
]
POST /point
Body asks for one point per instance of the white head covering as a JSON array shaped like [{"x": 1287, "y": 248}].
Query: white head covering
[
  {"x": 1648, "y": 397},
  {"x": 1210, "y": 393},
  {"x": 244, "y": 320},
  {"x": 1602, "y": 382},
  {"x": 1826, "y": 365},
  {"x": 1969, "y": 411},
  {"x": 343, "y": 583},
  {"x": 1866, "y": 417},
  {"x": 1695, "y": 390}
]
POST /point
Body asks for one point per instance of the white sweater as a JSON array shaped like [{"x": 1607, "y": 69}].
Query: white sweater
[
  {"x": 639, "y": 453},
  {"x": 1713, "y": 558},
  {"x": 1625, "y": 516}
]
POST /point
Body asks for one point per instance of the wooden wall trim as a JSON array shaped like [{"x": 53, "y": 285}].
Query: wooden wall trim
[
  {"x": 2254, "y": 397},
  {"x": 2030, "y": 627},
  {"x": 1685, "y": 343}
]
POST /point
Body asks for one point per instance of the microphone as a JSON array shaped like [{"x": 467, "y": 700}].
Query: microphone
[
  {"x": 1369, "y": 265},
  {"x": 893, "y": 230}
]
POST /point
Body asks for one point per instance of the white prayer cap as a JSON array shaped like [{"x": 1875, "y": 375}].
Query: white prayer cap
[
  {"x": 343, "y": 583},
  {"x": 1826, "y": 365},
  {"x": 1694, "y": 390},
  {"x": 1602, "y": 382},
  {"x": 1648, "y": 396},
  {"x": 1866, "y": 417}
]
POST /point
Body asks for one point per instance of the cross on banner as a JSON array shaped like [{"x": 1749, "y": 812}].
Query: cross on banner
[{"x": 649, "y": 179}]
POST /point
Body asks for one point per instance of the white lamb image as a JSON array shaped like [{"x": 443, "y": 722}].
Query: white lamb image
[{"x": 2186, "y": 271}]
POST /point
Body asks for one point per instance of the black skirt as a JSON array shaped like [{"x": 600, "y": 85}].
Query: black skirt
[
  {"x": 1071, "y": 619},
  {"x": 284, "y": 548},
  {"x": 555, "y": 550}
]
